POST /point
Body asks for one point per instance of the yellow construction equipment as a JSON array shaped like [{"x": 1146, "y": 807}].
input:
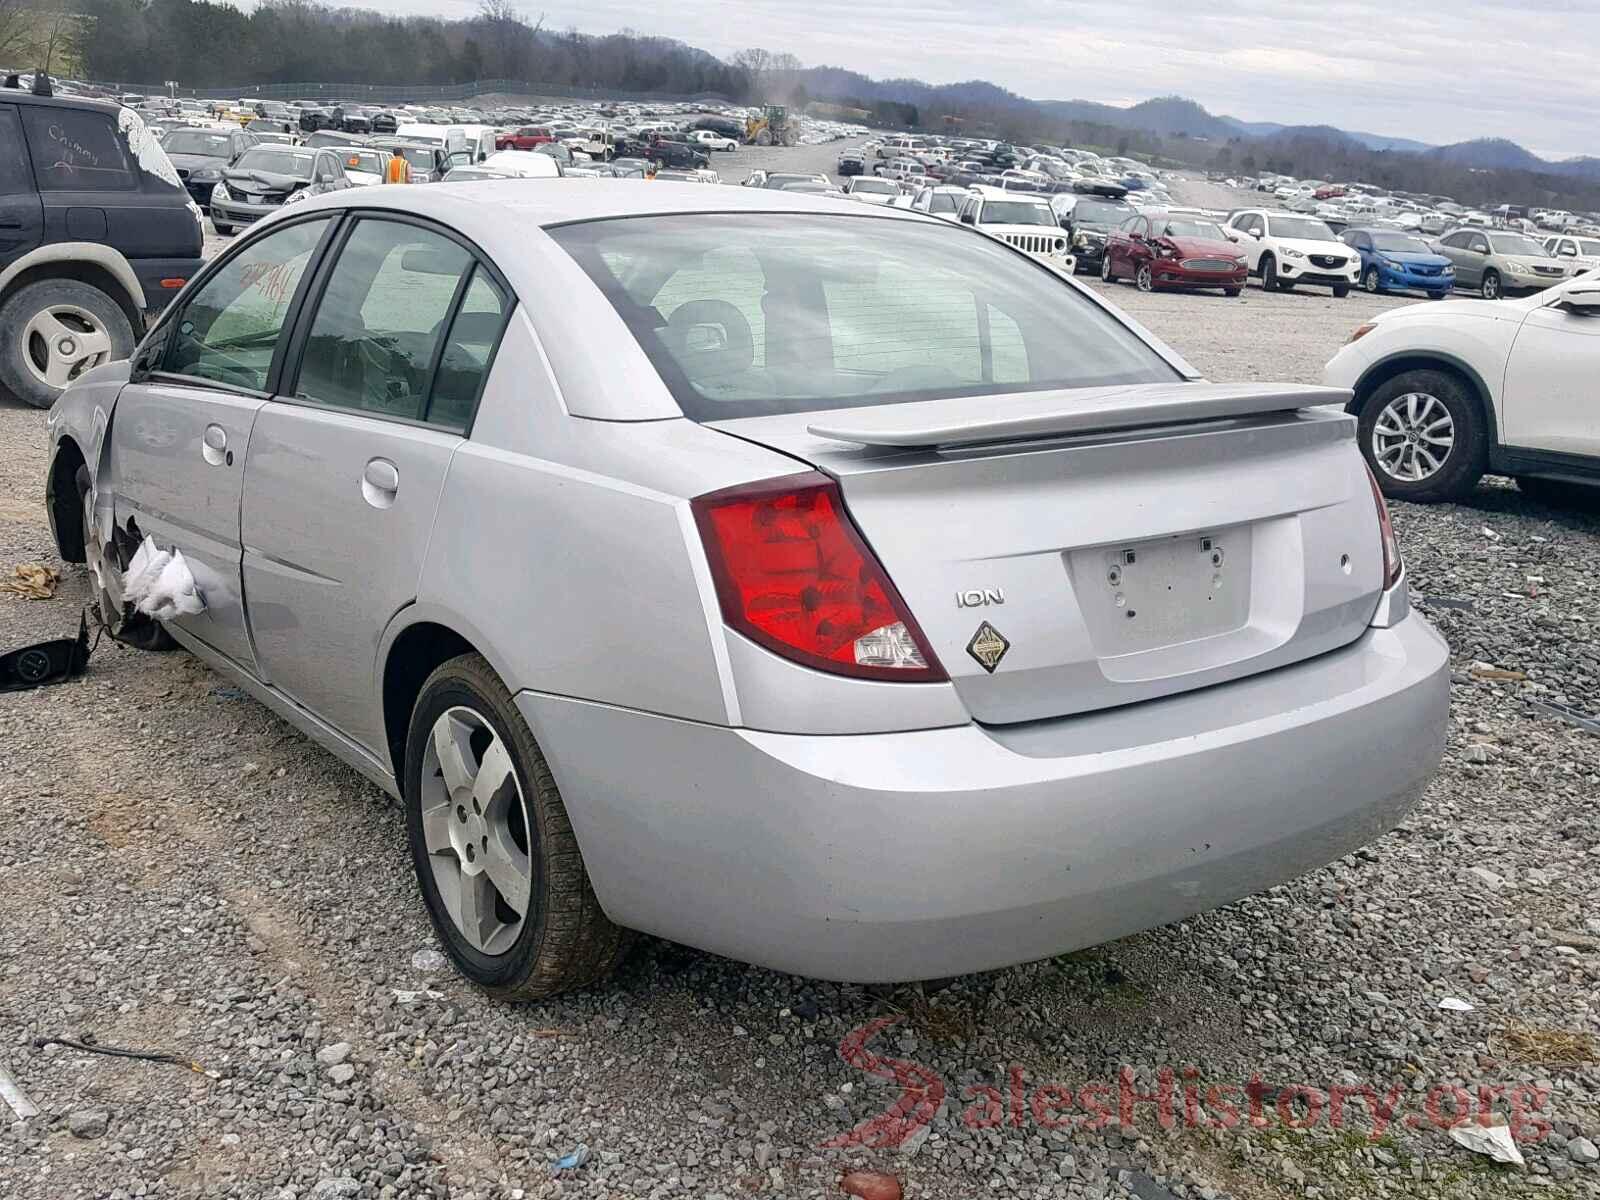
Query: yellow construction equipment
[{"x": 771, "y": 128}]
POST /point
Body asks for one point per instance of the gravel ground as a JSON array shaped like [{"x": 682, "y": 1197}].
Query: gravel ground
[{"x": 185, "y": 872}]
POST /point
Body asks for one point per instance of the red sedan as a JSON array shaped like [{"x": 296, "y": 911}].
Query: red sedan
[
  {"x": 525, "y": 138},
  {"x": 1156, "y": 250}
]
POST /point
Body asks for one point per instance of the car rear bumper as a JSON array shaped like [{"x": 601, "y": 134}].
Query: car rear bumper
[{"x": 890, "y": 857}]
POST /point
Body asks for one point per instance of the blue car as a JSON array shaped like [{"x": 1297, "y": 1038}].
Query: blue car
[{"x": 1392, "y": 261}]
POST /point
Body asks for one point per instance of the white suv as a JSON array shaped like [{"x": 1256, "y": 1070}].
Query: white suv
[
  {"x": 1025, "y": 221},
  {"x": 1285, "y": 249},
  {"x": 1445, "y": 392}
]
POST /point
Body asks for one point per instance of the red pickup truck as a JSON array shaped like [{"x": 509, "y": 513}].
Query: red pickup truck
[{"x": 525, "y": 138}]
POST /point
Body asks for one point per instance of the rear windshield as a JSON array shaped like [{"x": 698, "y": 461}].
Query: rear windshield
[
  {"x": 755, "y": 314},
  {"x": 198, "y": 141}
]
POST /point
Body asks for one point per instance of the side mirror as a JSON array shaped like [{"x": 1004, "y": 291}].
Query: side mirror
[
  {"x": 1256, "y": 233},
  {"x": 1583, "y": 302},
  {"x": 1568, "y": 252},
  {"x": 1137, "y": 237}
]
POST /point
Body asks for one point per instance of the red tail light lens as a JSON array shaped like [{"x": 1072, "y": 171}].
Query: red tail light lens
[
  {"x": 1391, "y": 548},
  {"x": 793, "y": 574}
]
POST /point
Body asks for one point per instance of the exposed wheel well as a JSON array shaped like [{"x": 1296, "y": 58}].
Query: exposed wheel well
[
  {"x": 414, "y": 656},
  {"x": 1387, "y": 370},
  {"x": 66, "y": 506},
  {"x": 90, "y": 273}
]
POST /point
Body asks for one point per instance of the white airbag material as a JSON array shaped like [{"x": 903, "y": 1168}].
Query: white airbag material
[{"x": 159, "y": 584}]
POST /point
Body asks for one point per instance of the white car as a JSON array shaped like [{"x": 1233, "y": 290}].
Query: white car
[
  {"x": 871, "y": 189},
  {"x": 708, "y": 139},
  {"x": 364, "y": 167},
  {"x": 523, "y": 164},
  {"x": 943, "y": 201},
  {"x": 1026, "y": 222},
  {"x": 1579, "y": 253},
  {"x": 1446, "y": 392},
  {"x": 1285, "y": 249}
]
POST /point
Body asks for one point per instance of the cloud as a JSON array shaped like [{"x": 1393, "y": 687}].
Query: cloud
[{"x": 1409, "y": 68}]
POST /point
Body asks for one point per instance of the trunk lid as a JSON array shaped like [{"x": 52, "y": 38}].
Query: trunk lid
[{"x": 1123, "y": 543}]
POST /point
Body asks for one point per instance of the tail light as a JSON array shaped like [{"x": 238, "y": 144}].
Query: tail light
[
  {"x": 1391, "y": 548},
  {"x": 793, "y": 574}
]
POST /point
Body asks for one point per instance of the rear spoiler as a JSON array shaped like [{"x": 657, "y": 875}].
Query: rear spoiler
[{"x": 970, "y": 420}]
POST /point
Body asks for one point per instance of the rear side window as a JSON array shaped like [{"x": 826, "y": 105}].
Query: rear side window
[
  {"x": 76, "y": 150},
  {"x": 468, "y": 353},
  {"x": 747, "y": 315}
]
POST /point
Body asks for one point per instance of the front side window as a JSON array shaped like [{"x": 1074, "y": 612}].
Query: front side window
[
  {"x": 77, "y": 150},
  {"x": 748, "y": 314},
  {"x": 229, "y": 329},
  {"x": 381, "y": 318},
  {"x": 468, "y": 353}
]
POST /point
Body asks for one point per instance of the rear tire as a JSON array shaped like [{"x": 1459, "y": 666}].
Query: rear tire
[
  {"x": 222, "y": 230},
  {"x": 1463, "y": 460},
  {"x": 35, "y": 322},
  {"x": 561, "y": 940},
  {"x": 1231, "y": 291}
]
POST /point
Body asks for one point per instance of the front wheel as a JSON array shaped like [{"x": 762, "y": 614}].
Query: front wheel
[
  {"x": 1341, "y": 290},
  {"x": 222, "y": 230},
  {"x": 1489, "y": 289},
  {"x": 1369, "y": 280},
  {"x": 1269, "y": 274},
  {"x": 1143, "y": 279},
  {"x": 1232, "y": 291},
  {"x": 496, "y": 859},
  {"x": 1424, "y": 436}
]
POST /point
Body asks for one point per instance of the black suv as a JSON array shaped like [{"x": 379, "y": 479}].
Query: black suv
[
  {"x": 202, "y": 155},
  {"x": 666, "y": 153},
  {"x": 96, "y": 230}
]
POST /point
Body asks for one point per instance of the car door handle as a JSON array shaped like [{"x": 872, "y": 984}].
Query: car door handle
[
  {"x": 10, "y": 224},
  {"x": 214, "y": 446},
  {"x": 380, "y": 481}
]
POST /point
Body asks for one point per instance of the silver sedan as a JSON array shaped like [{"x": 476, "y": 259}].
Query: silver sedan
[{"x": 826, "y": 586}]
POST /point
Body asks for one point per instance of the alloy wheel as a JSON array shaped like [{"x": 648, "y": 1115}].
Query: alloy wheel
[
  {"x": 1369, "y": 281},
  {"x": 61, "y": 342},
  {"x": 475, "y": 825},
  {"x": 1491, "y": 286},
  {"x": 1413, "y": 437},
  {"x": 1105, "y": 267},
  {"x": 1143, "y": 279}
]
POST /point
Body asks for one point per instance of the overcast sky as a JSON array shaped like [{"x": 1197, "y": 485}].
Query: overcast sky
[{"x": 1442, "y": 71}]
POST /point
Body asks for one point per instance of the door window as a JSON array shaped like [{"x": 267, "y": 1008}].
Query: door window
[
  {"x": 1479, "y": 245},
  {"x": 16, "y": 176},
  {"x": 229, "y": 329},
  {"x": 381, "y": 319}
]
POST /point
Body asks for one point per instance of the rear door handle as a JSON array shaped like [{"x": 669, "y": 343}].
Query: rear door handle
[{"x": 380, "y": 481}]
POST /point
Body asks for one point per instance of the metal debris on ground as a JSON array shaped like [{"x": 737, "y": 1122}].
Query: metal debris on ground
[
  {"x": 90, "y": 1045},
  {"x": 32, "y": 581},
  {"x": 1452, "y": 1004},
  {"x": 1585, "y": 721},
  {"x": 16, "y": 1097},
  {"x": 1445, "y": 602},
  {"x": 1493, "y": 1140},
  {"x": 427, "y": 959}
]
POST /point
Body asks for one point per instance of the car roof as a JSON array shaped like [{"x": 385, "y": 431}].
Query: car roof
[{"x": 477, "y": 208}]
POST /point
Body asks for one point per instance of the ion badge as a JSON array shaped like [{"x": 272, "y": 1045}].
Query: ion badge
[{"x": 988, "y": 647}]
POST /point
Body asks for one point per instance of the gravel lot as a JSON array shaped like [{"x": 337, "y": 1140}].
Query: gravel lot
[{"x": 185, "y": 872}]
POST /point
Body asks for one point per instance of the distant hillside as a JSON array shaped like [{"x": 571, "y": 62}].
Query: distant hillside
[
  {"x": 1490, "y": 154},
  {"x": 1170, "y": 115},
  {"x": 1372, "y": 141}
]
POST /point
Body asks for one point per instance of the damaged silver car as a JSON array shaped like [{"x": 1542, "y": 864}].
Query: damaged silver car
[{"x": 824, "y": 586}]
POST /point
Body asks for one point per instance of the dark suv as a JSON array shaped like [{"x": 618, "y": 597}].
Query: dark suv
[
  {"x": 667, "y": 153},
  {"x": 96, "y": 230}
]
